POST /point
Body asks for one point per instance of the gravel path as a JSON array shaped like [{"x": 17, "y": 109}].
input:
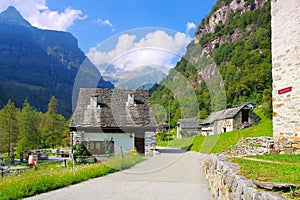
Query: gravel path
[{"x": 172, "y": 175}]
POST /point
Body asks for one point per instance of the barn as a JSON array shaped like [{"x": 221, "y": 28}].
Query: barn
[{"x": 235, "y": 118}]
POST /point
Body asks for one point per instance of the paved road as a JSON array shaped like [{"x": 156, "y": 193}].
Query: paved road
[{"x": 172, "y": 175}]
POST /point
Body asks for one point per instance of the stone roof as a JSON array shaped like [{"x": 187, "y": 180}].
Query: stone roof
[
  {"x": 189, "y": 123},
  {"x": 225, "y": 114},
  {"x": 113, "y": 108}
]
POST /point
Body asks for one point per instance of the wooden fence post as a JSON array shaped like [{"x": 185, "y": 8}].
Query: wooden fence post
[{"x": 122, "y": 153}]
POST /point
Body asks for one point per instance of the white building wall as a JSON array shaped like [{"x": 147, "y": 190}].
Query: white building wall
[
  {"x": 286, "y": 70},
  {"x": 124, "y": 140}
]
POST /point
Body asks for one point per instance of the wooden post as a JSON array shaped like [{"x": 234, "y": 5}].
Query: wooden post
[{"x": 122, "y": 153}]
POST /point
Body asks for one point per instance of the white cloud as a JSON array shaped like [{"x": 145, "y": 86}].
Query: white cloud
[
  {"x": 40, "y": 15},
  {"x": 156, "y": 48},
  {"x": 105, "y": 22},
  {"x": 190, "y": 26}
]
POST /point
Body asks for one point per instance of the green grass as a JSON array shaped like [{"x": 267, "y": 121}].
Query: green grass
[
  {"x": 218, "y": 143},
  {"x": 51, "y": 176},
  {"x": 184, "y": 143},
  {"x": 273, "y": 168},
  {"x": 283, "y": 158},
  {"x": 287, "y": 171}
]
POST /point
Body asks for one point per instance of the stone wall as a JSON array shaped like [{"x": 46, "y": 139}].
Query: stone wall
[
  {"x": 286, "y": 72},
  {"x": 225, "y": 183},
  {"x": 261, "y": 145},
  {"x": 251, "y": 147}
]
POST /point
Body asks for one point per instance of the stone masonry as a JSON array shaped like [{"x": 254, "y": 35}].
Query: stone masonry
[
  {"x": 225, "y": 182},
  {"x": 286, "y": 73}
]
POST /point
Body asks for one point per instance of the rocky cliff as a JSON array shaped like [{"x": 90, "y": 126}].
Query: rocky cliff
[
  {"x": 220, "y": 17},
  {"x": 227, "y": 63}
]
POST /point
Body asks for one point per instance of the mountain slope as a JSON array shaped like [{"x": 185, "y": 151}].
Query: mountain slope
[
  {"x": 234, "y": 42},
  {"x": 37, "y": 64}
]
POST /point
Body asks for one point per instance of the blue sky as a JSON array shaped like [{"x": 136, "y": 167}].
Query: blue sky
[
  {"x": 100, "y": 19},
  {"x": 116, "y": 34},
  {"x": 130, "y": 14}
]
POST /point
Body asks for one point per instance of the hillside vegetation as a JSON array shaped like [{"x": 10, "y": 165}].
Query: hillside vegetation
[
  {"x": 218, "y": 143},
  {"x": 240, "y": 49}
]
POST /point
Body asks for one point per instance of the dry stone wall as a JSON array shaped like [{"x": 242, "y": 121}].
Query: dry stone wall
[
  {"x": 251, "y": 147},
  {"x": 261, "y": 145},
  {"x": 286, "y": 73},
  {"x": 225, "y": 183}
]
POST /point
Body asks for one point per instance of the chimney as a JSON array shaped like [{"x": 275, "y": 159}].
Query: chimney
[
  {"x": 130, "y": 100},
  {"x": 93, "y": 103}
]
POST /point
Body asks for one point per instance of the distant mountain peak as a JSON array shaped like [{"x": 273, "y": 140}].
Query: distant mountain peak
[{"x": 13, "y": 17}]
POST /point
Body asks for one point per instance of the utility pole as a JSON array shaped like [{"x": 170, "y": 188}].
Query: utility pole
[{"x": 169, "y": 121}]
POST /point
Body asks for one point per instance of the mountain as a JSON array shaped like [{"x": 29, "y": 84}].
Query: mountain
[
  {"x": 143, "y": 77},
  {"x": 12, "y": 17},
  {"x": 37, "y": 64},
  {"x": 227, "y": 63}
]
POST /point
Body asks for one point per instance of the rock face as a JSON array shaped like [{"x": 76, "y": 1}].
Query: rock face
[
  {"x": 285, "y": 71},
  {"x": 225, "y": 183},
  {"x": 220, "y": 17},
  {"x": 275, "y": 186}
]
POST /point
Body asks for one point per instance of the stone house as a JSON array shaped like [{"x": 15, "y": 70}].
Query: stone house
[
  {"x": 235, "y": 118},
  {"x": 286, "y": 74},
  {"x": 188, "y": 127},
  {"x": 113, "y": 120}
]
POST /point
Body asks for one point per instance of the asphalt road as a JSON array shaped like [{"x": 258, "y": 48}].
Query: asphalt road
[{"x": 172, "y": 175}]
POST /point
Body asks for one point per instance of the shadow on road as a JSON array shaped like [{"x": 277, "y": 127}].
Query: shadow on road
[{"x": 170, "y": 150}]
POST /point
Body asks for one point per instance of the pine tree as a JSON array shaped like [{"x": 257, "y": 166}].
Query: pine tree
[
  {"x": 52, "y": 125},
  {"x": 29, "y": 120},
  {"x": 66, "y": 139},
  {"x": 9, "y": 127}
]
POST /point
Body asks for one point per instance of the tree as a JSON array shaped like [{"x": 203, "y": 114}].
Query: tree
[
  {"x": 9, "y": 126},
  {"x": 52, "y": 125},
  {"x": 29, "y": 120},
  {"x": 66, "y": 139}
]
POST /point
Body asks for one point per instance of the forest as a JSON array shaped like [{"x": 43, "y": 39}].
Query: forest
[{"x": 27, "y": 129}]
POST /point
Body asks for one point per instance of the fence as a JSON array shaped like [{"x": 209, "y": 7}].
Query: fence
[{"x": 6, "y": 171}]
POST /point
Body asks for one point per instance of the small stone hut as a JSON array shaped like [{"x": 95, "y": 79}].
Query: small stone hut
[
  {"x": 235, "y": 118},
  {"x": 188, "y": 127}
]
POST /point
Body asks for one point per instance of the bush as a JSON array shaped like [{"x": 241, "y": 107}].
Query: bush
[{"x": 82, "y": 155}]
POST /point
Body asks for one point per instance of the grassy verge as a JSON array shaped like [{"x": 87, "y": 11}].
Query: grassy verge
[
  {"x": 51, "y": 176},
  {"x": 184, "y": 143},
  {"x": 285, "y": 168},
  {"x": 217, "y": 143},
  {"x": 283, "y": 158},
  {"x": 273, "y": 168}
]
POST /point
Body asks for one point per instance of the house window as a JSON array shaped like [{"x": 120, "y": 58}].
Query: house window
[
  {"x": 100, "y": 147},
  {"x": 245, "y": 116}
]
